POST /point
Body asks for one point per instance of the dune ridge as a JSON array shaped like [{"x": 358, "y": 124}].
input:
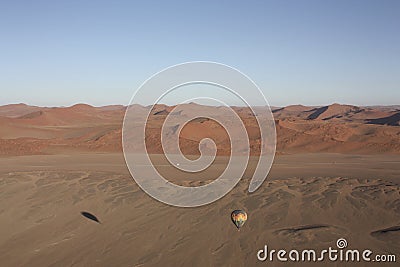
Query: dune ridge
[{"x": 335, "y": 128}]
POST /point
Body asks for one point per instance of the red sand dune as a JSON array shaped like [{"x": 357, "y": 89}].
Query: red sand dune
[
  {"x": 335, "y": 128},
  {"x": 16, "y": 110}
]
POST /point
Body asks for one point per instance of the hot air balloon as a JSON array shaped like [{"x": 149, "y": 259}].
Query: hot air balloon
[{"x": 239, "y": 217}]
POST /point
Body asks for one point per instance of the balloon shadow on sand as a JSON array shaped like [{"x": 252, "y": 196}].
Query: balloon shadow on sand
[{"x": 90, "y": 216}]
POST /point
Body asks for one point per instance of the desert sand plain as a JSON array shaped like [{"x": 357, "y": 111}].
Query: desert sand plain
[{"x": 336, "y": 175}]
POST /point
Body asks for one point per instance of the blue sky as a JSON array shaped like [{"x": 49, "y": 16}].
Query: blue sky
[{"x": 298, "y": 52}]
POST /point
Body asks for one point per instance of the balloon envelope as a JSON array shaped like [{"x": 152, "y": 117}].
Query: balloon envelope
[{"x": 239, "y": 217}]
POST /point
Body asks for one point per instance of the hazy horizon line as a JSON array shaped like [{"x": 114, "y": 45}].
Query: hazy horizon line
[{"x": 146, "y": 105}]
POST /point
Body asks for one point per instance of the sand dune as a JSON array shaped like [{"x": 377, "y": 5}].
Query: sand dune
[
  {"x": 45, "y": 226},
  {"x": 63, "y": 205},
  {"x": 393, "y": 120},
  {"x": 17, "y": 110},
  {"x": 335, "y": 128},
  {"x": 332, "y": 111}
]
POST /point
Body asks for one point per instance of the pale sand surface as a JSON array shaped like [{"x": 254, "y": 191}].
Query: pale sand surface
[{"x": 308, "y": 201}]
